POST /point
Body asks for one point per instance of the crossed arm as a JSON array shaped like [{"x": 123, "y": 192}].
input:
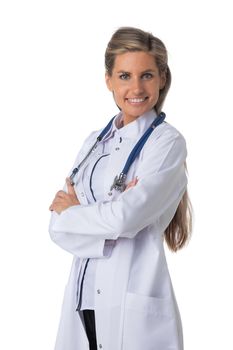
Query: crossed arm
[
  {"x": 63, "y": 200},
  {"x": 84, "y": 230}
]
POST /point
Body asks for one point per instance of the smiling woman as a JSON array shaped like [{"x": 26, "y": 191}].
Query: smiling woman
[
  {"x": 127, "y": 40},
  {"x": 135, "y": 82},
  {"x": 119, "y": 295}
]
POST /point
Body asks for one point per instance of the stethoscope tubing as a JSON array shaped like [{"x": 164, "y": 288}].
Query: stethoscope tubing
[{"x": 119, "y": 181}]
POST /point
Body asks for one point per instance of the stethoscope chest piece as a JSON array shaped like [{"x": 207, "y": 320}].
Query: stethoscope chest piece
[{"x": 119, "y": 183}]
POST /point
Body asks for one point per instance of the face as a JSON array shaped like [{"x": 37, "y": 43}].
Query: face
[{"x": 135, "y": 83}]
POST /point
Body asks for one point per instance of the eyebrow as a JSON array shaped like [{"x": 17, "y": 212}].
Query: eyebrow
[{"x": 145, "y": 71}]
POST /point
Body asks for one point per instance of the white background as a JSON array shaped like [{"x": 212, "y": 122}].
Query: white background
[{"x": 53, "y": 95}]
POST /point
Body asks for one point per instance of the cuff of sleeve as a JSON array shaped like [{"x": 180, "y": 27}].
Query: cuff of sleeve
[
  {"x": 80, "y": 245},
  {"x": 108, "y": 247}
]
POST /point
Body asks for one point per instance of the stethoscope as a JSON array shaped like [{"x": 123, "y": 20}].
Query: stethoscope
[{"x": 119, "y": 180}]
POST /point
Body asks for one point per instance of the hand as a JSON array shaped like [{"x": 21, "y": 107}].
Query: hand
[
  {"x": 132, "y": 183},
  {"x": 64, "y": 200}
]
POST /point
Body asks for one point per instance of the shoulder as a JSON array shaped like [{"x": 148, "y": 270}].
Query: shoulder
[
  {"x": 166, "y": 145},
  {"x": 166, "y": 130},
  {"x": 166, "y": 133},
  {"x": 86, "y": 145},
  {"x": 90, "y": 139}
]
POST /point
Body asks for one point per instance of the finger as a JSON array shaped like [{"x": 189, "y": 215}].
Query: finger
[
  {"x": 129, "y": 185},
  {"x": 57, "y": 207},
  {"x": 60, "y": 194},
  {"x": 133, "y": 182},
  {"x": 70, "y": 187},
  {"x": 52, "y": 204}
]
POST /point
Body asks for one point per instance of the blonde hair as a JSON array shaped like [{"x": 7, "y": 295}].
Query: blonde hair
[
  {"x": 129, "y": 39},
  {"x": 178, "y": 232}
]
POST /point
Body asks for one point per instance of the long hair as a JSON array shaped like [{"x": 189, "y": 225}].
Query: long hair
[{"x": 129, "y": 39}]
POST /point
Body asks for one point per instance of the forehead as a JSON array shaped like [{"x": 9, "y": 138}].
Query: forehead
[{"x": 135, "y": 61}]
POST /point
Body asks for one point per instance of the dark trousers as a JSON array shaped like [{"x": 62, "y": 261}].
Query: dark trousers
[{"x": 89, "y": 320}]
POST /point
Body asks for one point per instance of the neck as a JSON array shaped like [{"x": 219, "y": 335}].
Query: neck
[{"x": 127, "y": 119}]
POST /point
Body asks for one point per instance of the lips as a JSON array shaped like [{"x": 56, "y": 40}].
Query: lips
[{"x": 136, "y": 100}]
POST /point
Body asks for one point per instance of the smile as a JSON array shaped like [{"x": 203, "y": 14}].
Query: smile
[{"x": 136, "y": 100}]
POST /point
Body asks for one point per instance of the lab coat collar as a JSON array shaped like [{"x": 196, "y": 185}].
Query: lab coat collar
[{"x": 134, "y": 128}]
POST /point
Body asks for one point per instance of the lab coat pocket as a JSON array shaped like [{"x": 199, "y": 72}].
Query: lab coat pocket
[{"x": 148, "y": 323}]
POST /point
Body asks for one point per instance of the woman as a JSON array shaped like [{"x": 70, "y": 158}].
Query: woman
[{"x": 119, "y": 294}]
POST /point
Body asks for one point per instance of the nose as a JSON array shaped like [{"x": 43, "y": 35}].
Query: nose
[{"x": 137, "y": 86}]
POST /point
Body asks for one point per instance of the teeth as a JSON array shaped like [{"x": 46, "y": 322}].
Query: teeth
[{"x": 136, "y": 100}]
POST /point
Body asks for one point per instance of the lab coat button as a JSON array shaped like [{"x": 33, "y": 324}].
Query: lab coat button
[
  {"x": 109, "y": 193},
  {"x": 100, "y": 346},
  {"x": 98, "y": 291},
  {"x": 82, "y": 194},
  {"x": 117, "y": 148}
]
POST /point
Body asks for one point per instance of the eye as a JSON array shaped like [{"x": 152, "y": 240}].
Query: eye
[
  {"x": 147, "y": 76},
  {"x": 124, "y": 76}
]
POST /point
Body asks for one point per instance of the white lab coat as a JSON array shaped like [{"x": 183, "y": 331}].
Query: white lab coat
[{"x": 135, "y": 304}]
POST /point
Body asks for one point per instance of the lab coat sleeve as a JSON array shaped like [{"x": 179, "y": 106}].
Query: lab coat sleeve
[
  {"x": 162, "y": 182},
  {"x": 80, "y": 245}
]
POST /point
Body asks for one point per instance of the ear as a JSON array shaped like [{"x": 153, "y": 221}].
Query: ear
[{"x": 108, "y": 80}]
